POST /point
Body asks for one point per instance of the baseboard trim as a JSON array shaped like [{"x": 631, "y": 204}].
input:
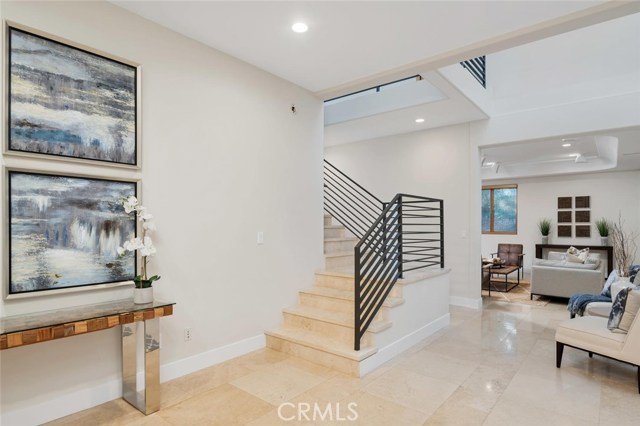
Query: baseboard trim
[
  {"x": 73, "y": 402},
  {"x": 466, "y": 302},
  {"x": 394, "y": 349},
  {"x": 215, "y": 356}
]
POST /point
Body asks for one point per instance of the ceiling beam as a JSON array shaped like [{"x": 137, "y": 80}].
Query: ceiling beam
[{"x": 584, "y": 18}]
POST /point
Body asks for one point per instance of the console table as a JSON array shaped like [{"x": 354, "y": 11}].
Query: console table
[
  {"x": 608, "y": 249},
  {"x": 21, "y": 330}
]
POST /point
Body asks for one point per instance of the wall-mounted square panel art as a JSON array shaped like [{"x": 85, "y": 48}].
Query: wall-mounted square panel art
[
  {"x": 564, "y": 217},
  {"x": 583, "y": 202},
  {"x": 583, "y": 216},
  {"x": 583, "y": 231},
  {"x": 64, "y": 232},
  {"x": 68, "y": 102},
  {"x": 565, "y": 202},
  {"x": 564, "y": 230}
]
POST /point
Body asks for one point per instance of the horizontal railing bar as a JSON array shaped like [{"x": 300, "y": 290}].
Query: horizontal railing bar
[
  {"x": 333, "y": 183},
  {"x": 354, "y": 182},
  {"x": 337, "y": 192}
]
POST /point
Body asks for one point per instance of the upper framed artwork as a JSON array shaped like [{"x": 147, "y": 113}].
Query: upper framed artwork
[
  {"x": 69, "y": 102},
  {"x": 64, "y": 233}
]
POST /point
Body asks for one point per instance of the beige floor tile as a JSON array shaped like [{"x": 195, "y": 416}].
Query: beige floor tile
[
  {"x": 210, "y": 378},
  {"x": 259, "y": 359},
  {"x": 278, "y": 383},
  {"x": 512, "y": 411},
  {"x": 112, "y": 413},
  {"x": 225, "y": 405},
  {"x": 484, "y": 387},
  {"x": 439, "y": 367},
  {"x": 411, "y": 389},
  {"x": 455, "y": 413},
  {"x": 619, "y": 407},
  {"x": 577, "y": 397},
  {"x": 372, "y": 410}
]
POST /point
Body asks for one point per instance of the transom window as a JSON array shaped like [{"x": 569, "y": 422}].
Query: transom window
[{"x": 500, "y": 209}]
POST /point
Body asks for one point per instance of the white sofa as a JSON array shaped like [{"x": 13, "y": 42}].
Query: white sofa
[{"x": 557, "y": 277}]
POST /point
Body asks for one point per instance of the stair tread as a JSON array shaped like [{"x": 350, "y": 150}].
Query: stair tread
[
  {"x": 333, "y": 227},
  {"x": 347, "y": 295},
  {"x": 340, "y": 240},
  {"x": 339, "y": 254},
  {"x": 321, "y": 342},
  {"x": 409, "y": 279},
  {"x": 344, "y": 319}
]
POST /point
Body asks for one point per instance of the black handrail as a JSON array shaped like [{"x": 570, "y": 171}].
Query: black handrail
[{"x": 403, "y": 235}]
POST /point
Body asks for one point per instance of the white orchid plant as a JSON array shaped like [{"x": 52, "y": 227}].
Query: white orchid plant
[{"x": 143, "y": 244}]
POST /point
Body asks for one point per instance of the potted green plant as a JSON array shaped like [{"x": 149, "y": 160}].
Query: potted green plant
[
  {"x": 603, "y": 227},
  {"x": 544, "y": 225}
]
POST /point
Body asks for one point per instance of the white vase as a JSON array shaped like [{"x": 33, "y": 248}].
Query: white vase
[
  {"x": 604, "y": 241},
  {"x": 142, "y": 296},
  {"x": 545, "y": 239}
]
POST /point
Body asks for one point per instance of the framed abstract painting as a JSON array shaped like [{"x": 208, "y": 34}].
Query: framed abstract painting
[
  {"x": 64, "y": 232},
  {"x": 69, "y": 102}
]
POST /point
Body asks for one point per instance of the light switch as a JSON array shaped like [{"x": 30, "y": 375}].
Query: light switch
[{"x": 260, "y": 237}]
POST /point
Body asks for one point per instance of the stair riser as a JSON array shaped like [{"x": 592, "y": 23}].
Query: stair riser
[
  {"x": 317, "y": 356},
  {"x": 334, "y": 232},
  {"x": 337, "y": 305},
  {"x": 339, "y": 262},
  {"x": 339, "y": 246},
  {"x": 344, "y": 283},
  {"x": 335, "y": 331},
  {"x": 327, "y": 220}
]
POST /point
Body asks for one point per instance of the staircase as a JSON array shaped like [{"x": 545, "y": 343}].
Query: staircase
[{"x": 320, "y": 328}]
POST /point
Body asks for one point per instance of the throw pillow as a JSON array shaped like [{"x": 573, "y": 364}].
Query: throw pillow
[
  {"x": 630, "y": 310},
  {"x": 577, "y": 256},
  {"x": 618, "y": 308},
  {"x": 633, "y": 272}
]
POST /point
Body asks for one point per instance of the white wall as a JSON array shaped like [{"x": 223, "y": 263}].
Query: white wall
[
  {"x": 223, "y": 158},
  {"x": 432, "y": 163},
  {"x": 611, "y": 194}
]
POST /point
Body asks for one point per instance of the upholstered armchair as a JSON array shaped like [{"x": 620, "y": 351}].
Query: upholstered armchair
[
  {"x": 512, "y": 255},
  {"x": 590, "y": 334}
]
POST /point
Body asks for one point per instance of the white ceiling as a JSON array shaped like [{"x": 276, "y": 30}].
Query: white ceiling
[
  {"x": 353, "y": 43},
  {"x": 605, "y": 151},
  {"x": 347, "y": 40}
]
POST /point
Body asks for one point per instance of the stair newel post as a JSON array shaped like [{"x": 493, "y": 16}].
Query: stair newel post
[
  {"x": 442, "y": 233},
  {"x": 356, "y": 299},
  {"x": 400, "y": 248}
]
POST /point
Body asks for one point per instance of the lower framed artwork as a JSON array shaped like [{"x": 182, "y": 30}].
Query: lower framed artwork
[{"x": 63, "y": 233}]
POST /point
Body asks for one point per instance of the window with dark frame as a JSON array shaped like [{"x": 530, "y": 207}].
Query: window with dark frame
[{"x": 500, "y": 209}]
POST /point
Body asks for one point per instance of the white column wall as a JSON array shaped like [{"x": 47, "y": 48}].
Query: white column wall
[{"x": 222, "y": 158}]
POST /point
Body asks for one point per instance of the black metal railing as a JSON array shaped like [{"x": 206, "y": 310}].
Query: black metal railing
[
  {"x": 406, "y": 235},
  {"x": 349, "y": 203},
  {"x": 477, "y": 68}
]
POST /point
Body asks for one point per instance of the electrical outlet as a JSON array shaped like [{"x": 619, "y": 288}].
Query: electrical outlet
[
  {"x": 187, "y": 334},
  {"x": 260, "y": 238}
]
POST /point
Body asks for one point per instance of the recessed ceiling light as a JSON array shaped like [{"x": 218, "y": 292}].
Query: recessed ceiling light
[
  {"x": 419, "y": 120},
  {"x": 490, "y": 164},
  {"x": 566, "y": 145},
  {"x": 300, "y": 27},
  {"x": 568, "y": 139}
]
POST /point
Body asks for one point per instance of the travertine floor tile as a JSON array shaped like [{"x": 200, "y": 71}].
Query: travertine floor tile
[
  {"x": 412, "y": 390},
  {"x": 455, "y": 413},
  {"x": 112, "y": 413},
  {"x": 278, "y": 383},
  {"x": 225, "y": 405}
]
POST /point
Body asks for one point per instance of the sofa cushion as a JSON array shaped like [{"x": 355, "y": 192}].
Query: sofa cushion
[
  {"x": 630, "y": 310},
  {"x": 598, "y": 309},
  {"x": 590, "y": 333},
  {"x": 566, "y": 264}
]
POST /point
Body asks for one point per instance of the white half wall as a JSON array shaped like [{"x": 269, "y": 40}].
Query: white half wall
[
  {"x": 432, "y": 163},
  {"x": 222, "y": 158},
  {"x": 611, "y": 194}
]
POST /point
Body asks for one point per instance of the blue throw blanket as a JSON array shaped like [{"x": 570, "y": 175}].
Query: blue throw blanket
[{"x": 578, "y": 302}]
